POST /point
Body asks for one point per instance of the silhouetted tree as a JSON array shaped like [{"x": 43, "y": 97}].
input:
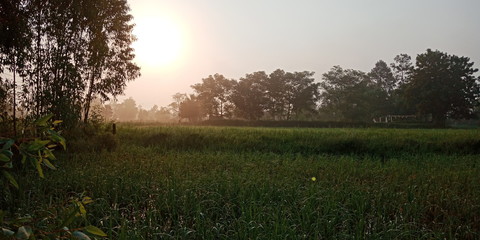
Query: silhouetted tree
[
  {"x": 347, "y": 94},
  {"x": 249, "y": 96},
  {"x": 443, "y": 85},
  {"x": 276, "y": 90},
  {"x": 402, "y": 68},
  {"x": 214, "y": 93},
  {"x": 178, "y": 98},
  {"x": 127, "y": 110},
  {"x": 191, "y": 109},
  {"x": 301, "y": 94},
  {"x": 383, "y": 86}
]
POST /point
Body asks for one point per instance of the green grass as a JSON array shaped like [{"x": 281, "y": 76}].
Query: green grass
[{"x": 256, "y": 183}]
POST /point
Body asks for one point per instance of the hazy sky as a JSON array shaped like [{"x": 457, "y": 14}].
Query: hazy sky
[{"x": 238, "y": 37}]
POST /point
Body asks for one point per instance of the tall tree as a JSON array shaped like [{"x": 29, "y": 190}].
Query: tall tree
[
  {"x": 191, "y": 109},
  {"x": 383, "y": 85},
  {"x": 214, "y": 93},
  {"x": 110, "y": 55},
  {"x": 444, "y": 86},
  {"x": 347, "y": 94},
  {"x": 402, "y": 68},
  {"x": 127, "y": 111},
  {"x": 178, "y": 98},
  {"x": 302, "y": 93},
  {"x": 382, "y": 76},
  {"x": 276, "y": 89},
  {"x": 249, "y": 96}
]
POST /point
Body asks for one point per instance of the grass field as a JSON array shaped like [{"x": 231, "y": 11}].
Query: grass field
[{"x": 273, "y": 183}]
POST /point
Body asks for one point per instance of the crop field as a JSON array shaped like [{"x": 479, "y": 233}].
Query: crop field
[{"x": 179, "y": 182}]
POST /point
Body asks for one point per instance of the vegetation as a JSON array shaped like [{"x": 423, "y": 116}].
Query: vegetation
[
  {"x": 63, "y": 55},
  {"x": 271, "y": 183},
  {"x": 438, "y": 87},
  {"x": 34, "y": 150}
]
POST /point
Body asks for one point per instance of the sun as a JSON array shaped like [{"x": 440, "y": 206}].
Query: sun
[{"x": 160, "y": 42}]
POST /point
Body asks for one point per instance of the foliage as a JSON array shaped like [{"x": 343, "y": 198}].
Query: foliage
[
  {"x": 37, "y": 152},
  {"x": 348, "y": 94},
  {"x": 67, "y": 53},
  {"x": 249, "y": 96},
  {"x": 191, "y": 109},
  {"x": 214, "y": 95},
  {"x": 443, "y": 85}
]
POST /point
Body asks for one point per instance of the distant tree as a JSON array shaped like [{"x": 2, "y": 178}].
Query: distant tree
[
  {"x": 443, "y": 85},
  {"x": 143, "y": 115},
  {"x": 107, "y": 112},
  {"x": 127, "y": 110},
  {"x": 302, "y": 93},
  {"x": 402, "y": 68},
  {"x": 347, "y": 94},
  {"x": 382, "y": 76},
  {"x": 178, "y": 98},
  {"x": 163, "y": 114},
  {"x": 249, "y": 96},
  {"x": 191, "y": 109},
  {"x": 383, "y": 85},
  {"x": 276, "y": 94},
  {"x": 214, "y": 93}
]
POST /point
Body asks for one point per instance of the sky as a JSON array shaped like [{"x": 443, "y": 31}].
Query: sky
[{"x": 179, "y": 42}]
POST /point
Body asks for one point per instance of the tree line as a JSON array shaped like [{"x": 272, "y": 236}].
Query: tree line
[
  {"x": 438, "y": 86},
  {"x": 58, "y": 56}
]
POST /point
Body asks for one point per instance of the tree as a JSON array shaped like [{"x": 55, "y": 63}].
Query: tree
[
  {"x": 110, "y": 55},
  {"x": 249, "y": 96},
  {"x": 178, "y": 98},
  {"x": 402, "y": 68},
  {"x": 382, "y": 76},
  {"x": 347, "y": 94},
  {"x": 383, "y": 86},
  {"x": 444, "y": 86},
  {"x": 276, "y": 89},
  {"x": 67, "y": 53},
  {"x": 302, "y": 93},
  {"x": 143, "y": 115},
  {"x": 214, "y": 93},
  {"x": 127, "y": 110},
  {"x": 191, "y": 109}
]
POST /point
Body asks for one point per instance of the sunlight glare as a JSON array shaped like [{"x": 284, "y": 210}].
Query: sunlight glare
[{"x": 160, "y": 42}]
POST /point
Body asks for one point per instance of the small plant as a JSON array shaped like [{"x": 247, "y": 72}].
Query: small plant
[{"x": 36, "y": 151}]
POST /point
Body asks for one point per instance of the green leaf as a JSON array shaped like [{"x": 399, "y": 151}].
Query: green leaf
[
  {"x": 7, "y": 232},
  {"x": 48, "y": 154},
  {"x": 8, "y": 144},
  {"x": 10, "y": 178},
  {"x": 57, "y": 138},
  {"x": 80, "y": 236},
  {"x": 49, "y": 164},
  {"x": 71, "y": 216},
  {"x": 42, "y": 122},
  {"x": 24, "y": 232},
  {"x": 8, "y": 165},
  {"x": 96, "y": 231},
  {"x": 56, "y": 122},
  {"x": 87, "y": 200},
  {"x": 39, "y": 168},
  {"x": 7, "y": 153},
  {"x": 4, "y": 158},
  {"x": 37, "y": 145}
]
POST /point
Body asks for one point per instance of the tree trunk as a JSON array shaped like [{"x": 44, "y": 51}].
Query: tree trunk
[{"x": 88, "y": 99}]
